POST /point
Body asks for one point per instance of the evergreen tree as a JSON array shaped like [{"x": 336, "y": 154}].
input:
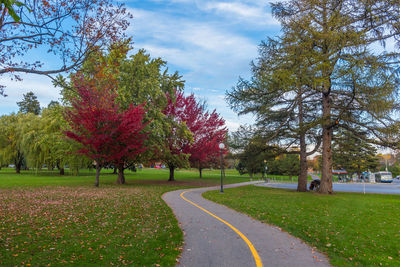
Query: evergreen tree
[
  {"x": 286, "y": 112},
  {"x": 352, "y": 153},
  {"x": 29, "y": 104},
  {"x": 336, "y": 75}
]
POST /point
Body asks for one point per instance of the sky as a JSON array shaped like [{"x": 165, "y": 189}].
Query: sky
[{"x": 210, "y": 43}]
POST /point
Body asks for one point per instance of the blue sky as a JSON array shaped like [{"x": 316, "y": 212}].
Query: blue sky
[{"x": 210, "y": 43}]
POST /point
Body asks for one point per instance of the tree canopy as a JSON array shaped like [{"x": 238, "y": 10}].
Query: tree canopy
[
  {"x": 108, "y": 135},
  {"x": 326, "y": 73},
  {"x": 29, "y": 104},
  {"x": 67, "y": 30}
]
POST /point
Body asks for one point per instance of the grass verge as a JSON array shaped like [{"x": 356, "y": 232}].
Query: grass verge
[
  {"x": 47, "y": 219},
  {"x": 352, "y": 229}
]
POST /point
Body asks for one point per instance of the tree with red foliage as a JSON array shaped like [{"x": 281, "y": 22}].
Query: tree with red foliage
[
  {"x": 67, "y": 29},
  {"x": 208, "y": 132},
  {"x": 108, "y": 135},
  {"x": 177, "y": 136}
]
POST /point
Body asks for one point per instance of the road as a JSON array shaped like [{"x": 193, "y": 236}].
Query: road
[
  {"x": 378, "y": 188},
  {"x": 215, "y": 235}
]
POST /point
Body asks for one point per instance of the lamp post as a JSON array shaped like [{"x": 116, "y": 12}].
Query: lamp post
[
  {"x": 222, "y": 146},
  {"x": 266, "y": 168}
]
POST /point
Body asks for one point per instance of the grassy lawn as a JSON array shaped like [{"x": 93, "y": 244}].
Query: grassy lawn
[
  {"x": 48, "y": 219},
  {"x": 352, "y": 229}
]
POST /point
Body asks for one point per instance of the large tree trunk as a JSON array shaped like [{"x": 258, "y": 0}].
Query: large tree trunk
[
  {"x": 171, "y": 173},
  {"x": 302, "y": 181},
  {"x": 98, "y": 168},
  {"x": 121, "y": 176},
  {"x": 18, "y": 168},
  {"x": 18, "y": 162},
  {"x": 61, "y": 169},
  {"x": 326, "y": 173}
]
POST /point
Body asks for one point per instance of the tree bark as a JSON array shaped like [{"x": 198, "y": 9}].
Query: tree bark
[
  {"x": 302, "y": 180},
  {"x": 201, "y": 172},
  {"x": 171, "y": 173},
  {"x": 61, "y": 169},
  {"x": 326, "y": 173},
  {"x": 98, "y": 168},
  {"x": 18, "y": 162},
  {"x": 18, "y": 168},
  {"x": 121, "y": 176}
]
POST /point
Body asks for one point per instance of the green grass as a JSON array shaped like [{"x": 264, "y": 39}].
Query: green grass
[
  {"x": 8, "y": 178},
  {"x": 48, "y": 219},
  {"x": 352, "y": 229}
]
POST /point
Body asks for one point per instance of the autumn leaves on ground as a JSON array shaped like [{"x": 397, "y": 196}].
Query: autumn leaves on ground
[{"x": 79, "y": 224}]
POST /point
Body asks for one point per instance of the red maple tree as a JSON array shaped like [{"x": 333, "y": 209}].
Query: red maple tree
[
  {"x": 108, "y": 135},
  {"x": 207, "y": 131}
]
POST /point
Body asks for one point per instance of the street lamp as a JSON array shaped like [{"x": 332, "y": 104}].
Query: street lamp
[
  {"x": 266, "y": 168},
  {"x": 222, "y": 146}
]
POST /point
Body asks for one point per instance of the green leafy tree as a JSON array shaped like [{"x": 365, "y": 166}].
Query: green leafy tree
[
  {"x": 290, "y": 165},
  {"x": 58, "y": 150},
  {"x": 252, "y": 151},
  {"x": 145, "y": 80},
  {"x": 29, "y": 104},
  {"x": 11, "y": 151}
]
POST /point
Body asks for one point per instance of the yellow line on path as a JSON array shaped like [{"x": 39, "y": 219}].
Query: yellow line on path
[{"x": 257, "y": 258}]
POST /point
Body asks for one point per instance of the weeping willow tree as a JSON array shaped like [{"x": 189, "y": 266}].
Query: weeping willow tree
[
  {"x": 41, "y": 141},
  {"x": 10, "y": 146}
]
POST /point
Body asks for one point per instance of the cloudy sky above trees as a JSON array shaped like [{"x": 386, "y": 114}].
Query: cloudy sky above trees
[{"x": 210, "y": 43}]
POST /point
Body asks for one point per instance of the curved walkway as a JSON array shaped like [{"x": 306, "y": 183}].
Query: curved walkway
[{"x": 218, "y": 236}]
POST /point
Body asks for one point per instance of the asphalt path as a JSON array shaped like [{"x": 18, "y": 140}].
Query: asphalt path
[
  {"x": 215, "y": 235},
  {"x": 372, "y": 188}
]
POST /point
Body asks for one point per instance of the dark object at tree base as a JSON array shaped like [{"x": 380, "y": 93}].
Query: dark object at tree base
[{"x": 315, "y": 185}]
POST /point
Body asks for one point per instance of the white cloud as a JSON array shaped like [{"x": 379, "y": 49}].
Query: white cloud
[
  {"x": 231, "y": 125},
  {"x": 40, "y": 85},
  {"x": 239, "y": 11},
  {"x": 203, "y": 48}
]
